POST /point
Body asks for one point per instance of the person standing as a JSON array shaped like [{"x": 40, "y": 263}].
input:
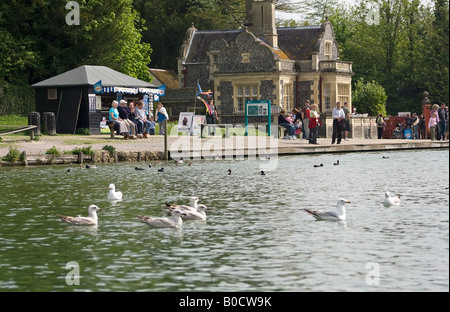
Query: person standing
[
  {"x": 415, "y": 126},
  {"x": 211, "y": 117},
  {"x": 347, "y": 115},
  {"x": 314, "y": 124},
  {"x": 161, "y": 118},
  {"x": 379, "y": 121},
  {"x": 422, "y": 127},
  {"x": 338, "y": 117},
  {"x": 432, "y": 123},
  {"x": 443, "y": 120},
  {"x": 306, "y": 110},
  {"x": 434, "y": 110}
]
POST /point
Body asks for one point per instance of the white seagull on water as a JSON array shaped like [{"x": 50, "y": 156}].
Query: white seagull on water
[
  {"x": 174, "y": 221},
  {"x": 92, "y": 219},
  {"x": 113, "y": 195},
  {"x": 390, "y": 200},
  {"x": 192, "y": 205},
  {"x": 198, "y": 214},
  {"x": 338, "y": 215}
]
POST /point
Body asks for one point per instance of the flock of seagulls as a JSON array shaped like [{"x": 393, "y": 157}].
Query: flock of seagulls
[{"x": 194, "y": 211}]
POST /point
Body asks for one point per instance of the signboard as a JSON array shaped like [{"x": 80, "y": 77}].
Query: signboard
[
  {"x": 258, "y": 109},
  {"x": 197, "y": 122},
  {"x": 185, "y": 121}
]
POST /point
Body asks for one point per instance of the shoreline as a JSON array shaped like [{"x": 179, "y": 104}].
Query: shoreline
[{"x": 190, "y": 147}]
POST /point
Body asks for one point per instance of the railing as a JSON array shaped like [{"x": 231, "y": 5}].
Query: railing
[{"x": 335, "y": 66}]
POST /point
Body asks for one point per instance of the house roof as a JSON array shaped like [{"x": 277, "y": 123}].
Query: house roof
[
  {"x": 163, "y": 76},
  {"x": 89, "y": 75},
  {"x": 295, "y": 43}
]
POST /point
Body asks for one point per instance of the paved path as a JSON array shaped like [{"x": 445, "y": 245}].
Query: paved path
[{"x": 209, "y": 145}]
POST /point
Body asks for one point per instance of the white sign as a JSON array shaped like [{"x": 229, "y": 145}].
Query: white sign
[{"x": 185, "y": 121}]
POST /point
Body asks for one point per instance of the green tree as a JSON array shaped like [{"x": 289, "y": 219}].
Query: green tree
[{"x": 369, "y": 97}]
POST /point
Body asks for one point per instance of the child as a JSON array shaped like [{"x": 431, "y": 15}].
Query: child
[
  {"x": 152, "y": 126},
  {"x": 432, "y": 125}
]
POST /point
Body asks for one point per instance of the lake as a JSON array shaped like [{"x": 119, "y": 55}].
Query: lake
[{"x": 256, "y": 237}]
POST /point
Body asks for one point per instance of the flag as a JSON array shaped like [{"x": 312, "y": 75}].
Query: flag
[
  {"x": 208, "y": 108},
  {"x": 161, "y": 90},
  {"x": 199, "y": 89},
  {"x": 98, "y": 88}
]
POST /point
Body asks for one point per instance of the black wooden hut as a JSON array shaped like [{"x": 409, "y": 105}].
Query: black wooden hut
[{"x": 71, "y": 97}]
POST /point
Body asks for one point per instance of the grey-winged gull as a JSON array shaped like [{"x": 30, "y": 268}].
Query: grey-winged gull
[
  {"x": 174, "y": 221},
  {"x": 338, "y": 215},
  {"x": 113, "y": 194},
  {"x": 91, "y": 219},
  {"x": 391, "y": 200}
]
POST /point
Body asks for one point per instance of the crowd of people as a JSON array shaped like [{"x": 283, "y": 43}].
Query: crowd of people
[
  {"x": 306, "y": 122},
  {"x": 131, "y": 120}
]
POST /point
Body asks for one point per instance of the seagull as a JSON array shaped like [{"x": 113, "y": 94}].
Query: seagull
[
  {"x": 161, "y": 170},
  {"x": 330, "y": 215},
  {"x": 316, "y": 166},
  {"x": 199, "y": 214},
  {"x": 179, "y": 161},
  {"x": 192, "y": 205},
  {"x": 174, "y": 221},
  {"x": 229, "y": 171},
  {"x": 336, "y": 163},
  {"x": 90, "y": 220},
  {"x": 391, "y": 201},
  {"x": 113, "y": 195}
]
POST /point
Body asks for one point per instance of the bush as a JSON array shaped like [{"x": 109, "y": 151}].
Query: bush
[
  {"x": 83, "y": 131},
  {"x": 369, "y": 98},
  {"x": 111, "y": 149},
  {"x": 53, "y": 151},
  {"x": 84, "y": 150},
  {"x": 13, "y": 155}
]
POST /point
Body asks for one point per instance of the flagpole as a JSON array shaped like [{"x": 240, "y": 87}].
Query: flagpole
[{"x": 195, "y": 101}]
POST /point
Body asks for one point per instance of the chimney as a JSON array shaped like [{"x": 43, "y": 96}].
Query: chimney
[{"x": 260, "y": 20}]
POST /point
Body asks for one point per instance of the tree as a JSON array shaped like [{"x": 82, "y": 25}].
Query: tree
[{"x": 369, "y": 97}]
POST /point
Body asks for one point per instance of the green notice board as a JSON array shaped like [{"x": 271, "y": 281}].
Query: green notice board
[{"x": 257, "y": 109}]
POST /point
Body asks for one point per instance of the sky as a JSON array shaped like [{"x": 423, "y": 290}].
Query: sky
[{"x": 297, "y": 17}]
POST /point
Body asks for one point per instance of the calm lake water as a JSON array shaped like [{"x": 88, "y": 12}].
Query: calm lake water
[{"x": 256, "y": 237}]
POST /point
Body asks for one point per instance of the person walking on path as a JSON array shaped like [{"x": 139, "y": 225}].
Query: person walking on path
[
  {"x": 338, "y": 118},
  {"x": 443, "y": 120}
]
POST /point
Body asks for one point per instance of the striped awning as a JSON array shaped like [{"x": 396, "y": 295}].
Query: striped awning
[{"x": 118, "y": 89}]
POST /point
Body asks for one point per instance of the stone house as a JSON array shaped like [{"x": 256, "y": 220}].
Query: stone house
[{"x": 286, "y": 65}]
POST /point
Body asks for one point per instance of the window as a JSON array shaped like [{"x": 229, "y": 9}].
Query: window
[
  {"x": 327, "y": 53},
  {"x": 52, "y": 94},
  {"x": 244, "y": 93},
  {"x": 343, "y": 93},
  {"x": 327, "y": 96},
  {"x": 287, "y": 97}
]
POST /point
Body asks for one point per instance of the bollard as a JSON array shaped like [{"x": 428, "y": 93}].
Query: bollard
[
  {"x": 49, "y": 123},
  {"x": 35, "y": 119}
]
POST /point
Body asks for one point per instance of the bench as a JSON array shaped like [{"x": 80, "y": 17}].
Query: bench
[
  {"x": 112, "y": 128},
  {"x": 29, "y": 127}
]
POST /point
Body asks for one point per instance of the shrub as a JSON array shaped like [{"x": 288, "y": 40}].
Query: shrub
[
  {"x": 83, "y": 131},
  {"x": 53, "y": 151},
  {"x": 111, "y": 149},
  {"x": 85, "y": 150},
  {"x": 13, "y": 155}
]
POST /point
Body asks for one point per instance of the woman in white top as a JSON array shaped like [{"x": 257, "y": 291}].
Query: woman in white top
[{"x": 161, "y": 118}]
